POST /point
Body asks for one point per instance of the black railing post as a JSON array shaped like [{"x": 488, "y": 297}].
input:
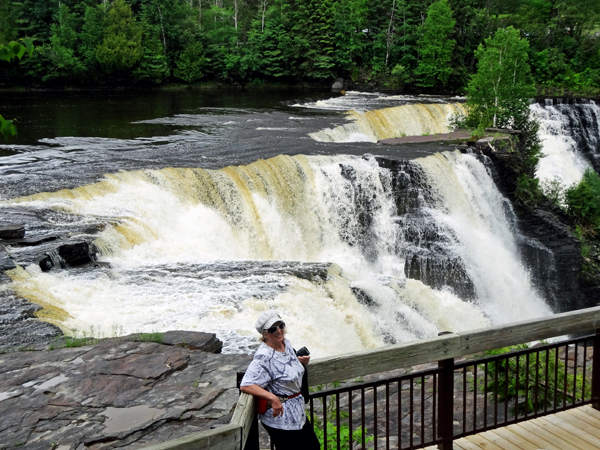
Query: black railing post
[
  {"x": 446, "y": 404},
  {"x": 596, "y": 372}
]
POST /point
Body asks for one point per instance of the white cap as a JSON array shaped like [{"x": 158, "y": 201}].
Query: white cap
[{"x": 266, "y": 320}]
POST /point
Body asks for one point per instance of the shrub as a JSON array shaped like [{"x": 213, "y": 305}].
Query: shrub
[{"x": 583, "y": 203}]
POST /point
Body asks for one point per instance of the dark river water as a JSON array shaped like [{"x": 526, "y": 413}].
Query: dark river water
[{"x": 67, "y": 139}]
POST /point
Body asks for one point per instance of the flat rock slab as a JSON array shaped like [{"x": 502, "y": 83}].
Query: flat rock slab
[
  {"x": 13, "y": 231},
  {"x": 194, "y": 340},
  {"x": 115, "y": 394},
  {"x": 440, "y": 137}
]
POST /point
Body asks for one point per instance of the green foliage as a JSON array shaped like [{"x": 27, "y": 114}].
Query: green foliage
[
  {"x": 530, "y": 383},
  {"x": 16, "y": 49},
  {"x": 436, "y": 46},
  {"x": 498, "y": 95},
  {"x": 583, "y": 203},
  {"x": 345, "y": 438},
  {"x": 81, "y": 339},
  {"x": 528, "y": 189},
  {"x": 7, "y": 127},
  {"x": 122, "y": 44},
  {"x": 154, "y": 63},
  {"x": 396, "y": 43},
  {"x": 151, "y": 337},
  {"x": 9, "y": 52},
  {"x": 555, "y": 192},
  {"x": 191, "y": 63}
]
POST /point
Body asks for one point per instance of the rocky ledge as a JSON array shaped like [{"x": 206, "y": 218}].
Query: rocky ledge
[{"x": 121, "y": 392}]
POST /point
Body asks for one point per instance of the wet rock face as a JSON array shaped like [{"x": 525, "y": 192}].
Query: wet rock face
[
  {"x": 15, "y": 231},
  {"x": 114, "y": 394},
  {"x": 19, "y": 328}
]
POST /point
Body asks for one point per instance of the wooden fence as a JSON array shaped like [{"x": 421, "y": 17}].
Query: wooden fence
[{"x": 438, "y": 349}]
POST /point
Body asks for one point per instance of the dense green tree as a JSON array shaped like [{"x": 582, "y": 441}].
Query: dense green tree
[
  {"x": 63, "y": 47},
  {"x": 436, "y": 45},
  {"x": 270, "y": 47},
  {"x": 191, "y": 63},
  {"x": 92, "y": 35},
  {"x": 122, "y": 44},
  {"x": 314, "y": 31},
  {"x": 154, "y": 64},
  {"x": 8, "y": 52},
  {"x": 351, "y": 43},
  {"x": 499, "y": 93}
]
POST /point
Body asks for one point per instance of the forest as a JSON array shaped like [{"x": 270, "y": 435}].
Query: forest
[{"x": 404, "y": 45}]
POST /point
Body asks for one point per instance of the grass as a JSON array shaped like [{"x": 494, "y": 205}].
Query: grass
[{"x": 151, "y": 337}]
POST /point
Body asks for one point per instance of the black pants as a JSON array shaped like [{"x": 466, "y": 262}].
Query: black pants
[{"x": 304, "y": 439}]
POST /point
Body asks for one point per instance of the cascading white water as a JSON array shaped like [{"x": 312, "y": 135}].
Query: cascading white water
[
  {"x": 562, "y": 160},
  {"x": 404, "y": 120},
  {"x": 208, "y": 250}
]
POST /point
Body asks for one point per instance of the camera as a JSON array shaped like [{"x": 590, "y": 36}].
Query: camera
[{"x": 303, "y": 352}]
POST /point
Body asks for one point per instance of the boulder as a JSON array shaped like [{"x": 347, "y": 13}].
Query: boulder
[
  {"x": 6, "y": 263},
  {"x": 338, "y": 84},
  {"x": 14, "y": 231},
  {"x": 75, "y": 254}
]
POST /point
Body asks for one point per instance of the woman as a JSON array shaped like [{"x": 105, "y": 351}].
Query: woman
[{"x": 275, "y": 374}]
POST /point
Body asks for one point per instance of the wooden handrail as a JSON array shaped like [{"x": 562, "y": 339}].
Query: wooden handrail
[
  {"x": 453, "y": 345},
  {"x": 367, "y": 362}
]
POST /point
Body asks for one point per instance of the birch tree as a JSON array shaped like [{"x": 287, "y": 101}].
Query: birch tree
[{"x": 498, "y": 95}]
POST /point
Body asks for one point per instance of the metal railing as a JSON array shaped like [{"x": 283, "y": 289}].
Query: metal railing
[
  {"x": 409, "y": 411},
  {"x": 420, "y": 408}
]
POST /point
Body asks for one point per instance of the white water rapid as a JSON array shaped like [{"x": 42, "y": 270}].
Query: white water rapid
[
  {"x": 564, "y": 130},
  {"x": 322, "y": 239}
]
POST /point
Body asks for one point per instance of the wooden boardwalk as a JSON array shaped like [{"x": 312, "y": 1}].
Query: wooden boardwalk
[{"x": 574, "y": 429}]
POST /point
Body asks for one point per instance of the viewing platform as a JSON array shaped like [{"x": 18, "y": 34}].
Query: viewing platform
[
  {"x": 577, "y": 429},
  {"x": 447, "y": 393}
]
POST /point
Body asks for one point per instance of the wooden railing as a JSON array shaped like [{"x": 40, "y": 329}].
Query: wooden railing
[{"x": 438, "y": 349}]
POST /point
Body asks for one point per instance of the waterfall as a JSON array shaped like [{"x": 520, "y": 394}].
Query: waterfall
[
  {"x": 354, "y": 252},
  {"x": 405, "y": 120},
  {"x": 570, "y": 135}
]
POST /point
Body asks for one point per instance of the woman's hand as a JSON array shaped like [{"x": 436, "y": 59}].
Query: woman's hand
[
  {"x": 304, "y": 360},
  {"x": 273, "y": 400},
  {"x": 277, "y": 407}
]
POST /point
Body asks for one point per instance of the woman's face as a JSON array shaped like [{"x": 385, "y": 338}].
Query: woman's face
[{"x": 276, "y": 337}]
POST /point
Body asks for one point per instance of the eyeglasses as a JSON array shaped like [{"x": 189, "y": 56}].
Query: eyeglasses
[{"x": 274, "y": 328}]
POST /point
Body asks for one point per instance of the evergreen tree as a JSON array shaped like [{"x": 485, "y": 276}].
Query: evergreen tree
[
  {"x": 314, "y": 33},
  {"x": 436, "y": 45},
  {"x": 191, "y": 63},
  {"x": 122, "y": 44},
  {"x": 64, "y": 46},
  {"x": 154, "y": 64},
  {"x": 92, "y": 35}
]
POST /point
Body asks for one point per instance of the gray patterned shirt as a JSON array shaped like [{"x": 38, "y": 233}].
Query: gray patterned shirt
[{"x": 279, "y": 373}]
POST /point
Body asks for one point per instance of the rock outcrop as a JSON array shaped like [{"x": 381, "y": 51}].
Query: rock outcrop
[{"x": 117, "y": 393}]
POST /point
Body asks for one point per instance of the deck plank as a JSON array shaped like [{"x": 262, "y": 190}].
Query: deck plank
[
  {"x": 514, "y": 439},
  {"x": 572, "y": 429},
  {"x": 591, "y": 411},
  {"x": 580, "y": 423},
  {"x": 535, "y": 439},
  {"x": 580, "y": 437},
  {"x": 556, "y": 434},
  {"x": 482, "y": 442},
  {"x": 583, "y": 415}
]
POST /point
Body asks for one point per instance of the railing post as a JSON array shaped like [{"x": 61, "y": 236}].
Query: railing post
[
  {"x": 446, "y": 403},
  {"x": 252, "y": 441},
  {"x": 596, "y": 372}
]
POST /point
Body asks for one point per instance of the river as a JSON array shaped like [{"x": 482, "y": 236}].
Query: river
[{"x": 205, "y": 208}]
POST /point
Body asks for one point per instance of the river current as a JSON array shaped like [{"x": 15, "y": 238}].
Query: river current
[{"x": 207, "y": 208}]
